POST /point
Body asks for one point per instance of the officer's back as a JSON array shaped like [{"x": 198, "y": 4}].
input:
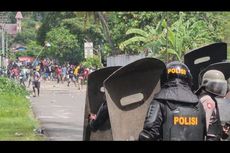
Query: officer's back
[{"x": 175, "y": 113}]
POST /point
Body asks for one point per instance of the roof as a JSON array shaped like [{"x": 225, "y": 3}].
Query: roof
[
  {"x": 16, "y": 45},
  {"x": 10, "y": 28},
  {"x": 26, "y": 58}
]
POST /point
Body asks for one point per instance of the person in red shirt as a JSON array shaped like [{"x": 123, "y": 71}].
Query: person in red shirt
[
  {"x": 58, "y": 72},
  {"x": 86, "y": 73}
]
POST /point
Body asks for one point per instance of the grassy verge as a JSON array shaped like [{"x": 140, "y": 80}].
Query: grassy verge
[{"x": 16, "y": 118}]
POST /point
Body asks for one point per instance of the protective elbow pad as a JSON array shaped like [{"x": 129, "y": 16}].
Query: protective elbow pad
[{"x": 152, "y": 115}]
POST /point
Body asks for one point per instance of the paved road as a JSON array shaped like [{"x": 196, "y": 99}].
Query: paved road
[{"x": 60, "y": 110}]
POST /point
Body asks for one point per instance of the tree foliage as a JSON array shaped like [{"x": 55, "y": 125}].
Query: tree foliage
[
  {"x": 92, "y": 62},
  {"x": 156, "y": 33},
  {"x": 178, "y": 34},
  {"x": 63, "y": 45}
]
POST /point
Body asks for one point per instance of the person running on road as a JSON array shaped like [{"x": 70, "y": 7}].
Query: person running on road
[
  {"x": 58, "y": 72},
  {"x": 64, "y": 71},
  {"x": 22, "y": 76},
  {"x": 80, "y": 77},
  {"x": 36, "y": 82},
  {"x": 71, "y": 76}
]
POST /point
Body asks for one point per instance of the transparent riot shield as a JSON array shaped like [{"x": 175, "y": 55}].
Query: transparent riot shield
[
  {"x": 94, "y": 99},
  {"x": 129, "y": 92}
]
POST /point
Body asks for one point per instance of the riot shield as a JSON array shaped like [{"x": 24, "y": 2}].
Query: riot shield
[
  {"x": 94, "y": 99},
  {"x": 200, "y": 58},
  {"x": 129, "y": 92},
  {"x": 224, "y": 67},
  {"x": 224, "y": 109}
]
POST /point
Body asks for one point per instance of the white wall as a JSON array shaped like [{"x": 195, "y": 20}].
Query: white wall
[{"x": 121, "y": 60}]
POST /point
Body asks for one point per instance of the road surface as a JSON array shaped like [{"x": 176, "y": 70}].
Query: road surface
[{"x": 60, "y": 110}]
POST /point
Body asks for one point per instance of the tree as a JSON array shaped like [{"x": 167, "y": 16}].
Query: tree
[
  {"x": 85, "y": 32},
  {"x": 147, "y": 40},
  {"x": 89, "y": 23},
  {"x": 28, "y": 32},
  {"x": 181, "y": 32},
  {"x": 92, "y": 62},
  {"x": 184, "y": 35},
  {"x": 63, "y": 45},
  {"x": 106, "y": 30},
  {"x": 27, "y": 36},
  {"x": 121, "y": 22},
  {"x": 226, "y": 31},
  {"x": 51, "y": 20},
  {"x": 129, "y": 32}
]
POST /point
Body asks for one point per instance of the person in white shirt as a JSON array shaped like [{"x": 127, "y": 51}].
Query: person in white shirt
[{"x": 36, "y": 82}]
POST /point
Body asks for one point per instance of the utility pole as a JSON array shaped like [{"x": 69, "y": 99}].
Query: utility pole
[
  {"x": 6, "y": 51},
  {"x": 3, "y": 21},
  {"x": 3, "y": 46},
  {"x": 47, "y": 44},
  {"x": 1, "y": 49}
]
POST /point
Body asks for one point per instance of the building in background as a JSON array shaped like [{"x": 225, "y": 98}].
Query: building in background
[{"x": 8, "y": 30}]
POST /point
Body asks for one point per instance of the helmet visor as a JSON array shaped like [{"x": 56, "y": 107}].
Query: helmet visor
[
  {"x": 217, "y": 87},
  {"x": 228, "y": 82}
]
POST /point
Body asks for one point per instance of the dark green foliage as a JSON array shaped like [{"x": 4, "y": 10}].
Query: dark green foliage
[
  {"x": 107, "y": 31},
  {"x": 8, "y": 86},
  {"x": 93, "y": 62}
]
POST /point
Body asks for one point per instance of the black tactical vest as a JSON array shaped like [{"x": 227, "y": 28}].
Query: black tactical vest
[{"x": 184, "y": 122}]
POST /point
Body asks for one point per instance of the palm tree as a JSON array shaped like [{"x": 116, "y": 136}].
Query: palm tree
[
  {"x": 175, "y": 40},
  {"x": 149, "y": 39},
  {"x": 106, "y": 30},
  {"x": 99, "y": 19}
]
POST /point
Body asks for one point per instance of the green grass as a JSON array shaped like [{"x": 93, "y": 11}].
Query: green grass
[{"x": 17, "y": 121}]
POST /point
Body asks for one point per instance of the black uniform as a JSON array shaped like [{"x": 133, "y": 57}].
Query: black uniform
[
  {"x": 70, "y": 72},
  {"x": 214, "y": 132},
  {"x": 174, "y": 114},
  {"x": 101, "y": 118}
]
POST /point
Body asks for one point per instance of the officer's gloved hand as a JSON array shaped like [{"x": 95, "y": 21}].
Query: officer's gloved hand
[{"x": 225, "y": 131}]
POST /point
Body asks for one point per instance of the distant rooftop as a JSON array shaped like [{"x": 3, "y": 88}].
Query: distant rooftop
[{"x": 10, "y": 28}]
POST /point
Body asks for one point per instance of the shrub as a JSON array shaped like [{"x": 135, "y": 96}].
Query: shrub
[{"x": 8, "y": 86}]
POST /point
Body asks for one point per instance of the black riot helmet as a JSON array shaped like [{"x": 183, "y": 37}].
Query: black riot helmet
[{"x": 178, "y": 70}]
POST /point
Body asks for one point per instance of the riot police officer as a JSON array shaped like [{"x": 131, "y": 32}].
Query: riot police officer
[
  {"x": 175, "y": 113},
  {"x": 226, "y": 127},
  {"x": 97, "y": 120},
  {"x": 227, "y": 96},
  {"x": 213, "y": 85}
]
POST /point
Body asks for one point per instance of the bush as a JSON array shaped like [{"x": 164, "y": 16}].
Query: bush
[
  {"x": 8, "y": 86},
  {"x": 92, "y": 62},
  {"x": 17, "y": 119}
]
